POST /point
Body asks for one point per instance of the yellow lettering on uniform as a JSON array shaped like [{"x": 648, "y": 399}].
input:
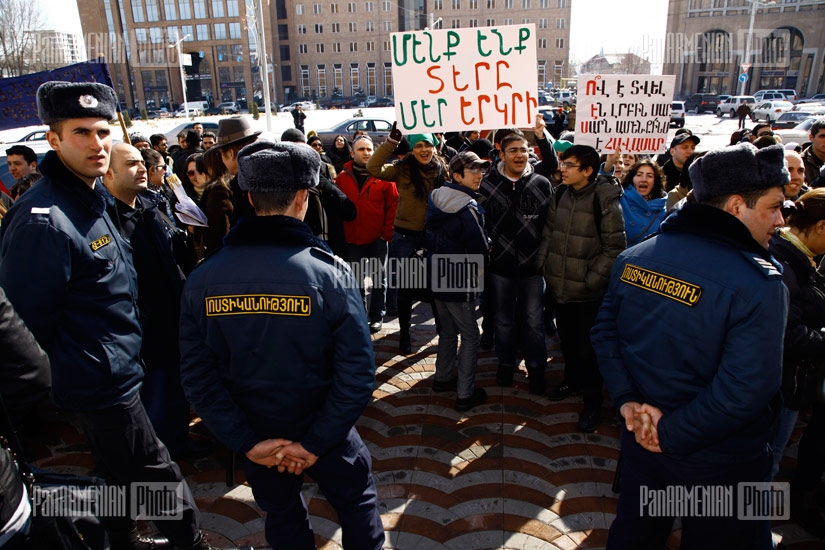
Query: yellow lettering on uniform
[
  {"x": 663, "y": 285},
  {"x": 258, "y": 304},
  {"x": 97, "y": 244}
]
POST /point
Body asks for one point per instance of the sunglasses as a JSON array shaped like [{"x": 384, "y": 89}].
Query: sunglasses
[{"x": 191, "y": 173}]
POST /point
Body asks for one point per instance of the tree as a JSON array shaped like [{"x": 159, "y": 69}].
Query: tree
[{"x": 19, "y": 19}]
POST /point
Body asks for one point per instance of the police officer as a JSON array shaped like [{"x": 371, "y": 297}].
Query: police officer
[
  {"x": 689, "y": 340},
  {"x": 277, "y": 358},
  {"x": 70, "y": 277}
]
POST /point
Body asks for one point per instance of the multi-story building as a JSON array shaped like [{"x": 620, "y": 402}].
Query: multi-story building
[
  {"x": 318, "y": 50},
  {"x": 618, "y": 63},
  {"x": 706, "y": 46},
  {"x": 56, "y": 49}
]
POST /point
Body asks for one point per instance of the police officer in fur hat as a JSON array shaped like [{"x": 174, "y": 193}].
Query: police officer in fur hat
[
  {"x": 689, "y": 340},
  {"x": 277, "y": 358},
  {"x": 69, "y": 274}
]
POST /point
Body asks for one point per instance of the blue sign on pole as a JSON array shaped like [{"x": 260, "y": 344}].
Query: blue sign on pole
[{"x": 743, "y": 77}]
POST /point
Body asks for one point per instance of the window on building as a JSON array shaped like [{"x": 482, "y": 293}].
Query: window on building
[
  {"x": 319, "y": 28},
  {"x": 203, "y": 32},
  {"x": 283, "y": 32},
  {"x": 371, "y": 84},
  {"x": 473, "y": 23},
  {"x": 525, "y": 4},
  {"x": 316, "y": 9},
  {"x": 388, "y": 78},
  {"x": 336, "y": 47},
  {"x": 152, "y": 11},
  {"x": 491, "y": 22},
  {"x": 455, "y": 23},
  {"x": 508, "y": 21},
  {"x": 387, "y": 26},
  {"x": 438, "y": 5},
  {"x": 232, "y": 8},
  {"x": 336, "y": 27},
  {"x": 542, "y": 43},
  {"x": 222, "y": 52},
  {"x": 184, "y": 9},
  {"x": 560, "y": 23},
  {"x": 387, "y": 47},
  {"x": 322, "y": 80},
  {"x": 200, "y": 9},
  {"x": 354, "y": 78},
  {"x": 542, "y": 73},
  {"x": 155, "y": 35},
  {"x": 561, "y": 3},
  {"x": 319, "y": 48},
  {"x": 473, "y": 4},
  {"x": 138, "y": 15},
  {"x": 169, "y": 10},
  {"x": 235, "y": 31},
  {"x": 299, "y": 9},
  {"x": 338, "y": 77},
  {"x": 386, "y": 6},
  {"x": 284, "y": 53},
  {"x": 353, "y": 46},
  {"x": 302, "y": 29},
  {"x": 525, "y": 20},
  {"x": 491, "y": 4},
  {"x": 220, "y": 31},
  {"x": 333, "y": 8},
  {"x": 302, "y": 48},
  {"x": 369, "y": 7},
  {"x": 353, "y": 27},
  {"x": 560, "y": 43},
  {"x": 370, "y": 46},
  {"x": 544, "y": 4},
  {"x": 172, "y": 34},
  {"x": 370, "y": 26},
  {"x": 217, "y": 9},
  {"x": 351, "y": 7},
  {"x": 456, "y": 4},
  {"x": 508, "y": 4},
  {"x": 187, "y": 30},
  {"x": 543, "y": 23},
  {"x": 140, "y": 36}
]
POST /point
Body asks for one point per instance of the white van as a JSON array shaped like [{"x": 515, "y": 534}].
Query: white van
[{"x": 191, "y": 108}]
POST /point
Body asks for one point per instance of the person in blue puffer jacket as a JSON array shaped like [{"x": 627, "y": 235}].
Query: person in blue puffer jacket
[
  {"x": 689, "y": 340},
  {"x": 643, "y": 200},
  {"x": 457, "y": 251}
]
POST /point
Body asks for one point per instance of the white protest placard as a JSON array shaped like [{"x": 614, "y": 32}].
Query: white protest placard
[
  {"x": 630, "y": 113},
  {"x": 455, "y": 79}
]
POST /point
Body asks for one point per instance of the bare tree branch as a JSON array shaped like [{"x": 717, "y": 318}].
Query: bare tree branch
[{"x": 18, "y": 18}]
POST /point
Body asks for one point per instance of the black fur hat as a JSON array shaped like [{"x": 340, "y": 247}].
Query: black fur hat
[
  {"x": 264, "y": 166},
  {"x": 57, "y": 100},
  {"x": 738, "y": 169}
]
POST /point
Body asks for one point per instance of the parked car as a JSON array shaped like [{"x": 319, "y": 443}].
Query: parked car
[
  {"x": 768, "y": 95},
  {"x": 384, "y": 102},
  {"x": 172, "y": 135},
  {"x": 677, "y": 114},
  {"x": 771, "y": 110},
  {"x": 724, "y": 97},
  {"x": 702, "y": 102},
  {"x": 34, "y": 139},
  {"x": 790, "y": 119},
  {"x": 305, "y": 105},
  {"x": 817, "y": 98},
  {"x": 800, "y": 133},
  {"x": 377, "y": 128},
  {"x": 729, "y": 106},
  {"x": 229, "y": 108},
  {"x": 213, "y": 111}
]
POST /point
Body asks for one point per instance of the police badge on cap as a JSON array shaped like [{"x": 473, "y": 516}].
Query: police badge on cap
[{"x": 58, "y": 100}]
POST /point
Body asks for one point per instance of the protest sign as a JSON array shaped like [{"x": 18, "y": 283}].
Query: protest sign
[
  {"x": 455, "y": 79},
  {"x": 630, "y": 113}
]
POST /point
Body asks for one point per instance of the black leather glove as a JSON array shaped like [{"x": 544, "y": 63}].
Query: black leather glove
[{"x": 395, "y": 134}]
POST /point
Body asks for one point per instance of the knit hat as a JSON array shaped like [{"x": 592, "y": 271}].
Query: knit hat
[
  {"x": 562, "y": 145},
  {"x": 137, "y": 137},
  {"x": 467, "y": 159},
  {"x": 481, "y": 147},
  {"x": 738, "y": 169},
  {"x": 294, "y": 135},
  {"x": 429, "y": 138},
  {"x": 57, "y": 100},
  {"x": 269, "y": 167}
]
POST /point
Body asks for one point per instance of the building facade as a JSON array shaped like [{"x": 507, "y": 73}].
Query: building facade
[
  {"x": 706, "y": 46},
  {"x": 54, "y": 49},
  {"x": 619, "y": 63},
  {"x": 316, "y": 50}
]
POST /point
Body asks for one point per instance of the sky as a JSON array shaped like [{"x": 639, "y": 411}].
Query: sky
[{"x": 616, "y": 27}]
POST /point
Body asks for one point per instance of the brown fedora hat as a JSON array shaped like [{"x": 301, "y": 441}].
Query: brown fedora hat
[{"x": 234, "y": 129}]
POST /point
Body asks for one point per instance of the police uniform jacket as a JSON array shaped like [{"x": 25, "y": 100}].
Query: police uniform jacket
[
  {"x": 693, "y": 323},
  {"x": 274, "y": 338},
  {"x": 70, "y": 277}
]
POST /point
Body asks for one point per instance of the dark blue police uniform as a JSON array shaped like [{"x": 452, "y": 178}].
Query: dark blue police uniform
[
  {"x": 274, "y": 344},
  {"x": 693, "y": 323}
]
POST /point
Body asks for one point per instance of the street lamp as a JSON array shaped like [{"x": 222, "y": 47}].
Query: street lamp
[
  {"x": 755, "y": 5},
  {"x": 180, "y": 62}
]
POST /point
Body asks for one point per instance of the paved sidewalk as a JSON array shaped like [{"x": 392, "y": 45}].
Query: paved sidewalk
[{"x": 513, "y": 473}]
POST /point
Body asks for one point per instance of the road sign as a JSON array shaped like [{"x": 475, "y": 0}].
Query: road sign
[
  {"x": 746, "y": 66},
  {"x": 743, "y": 77}
]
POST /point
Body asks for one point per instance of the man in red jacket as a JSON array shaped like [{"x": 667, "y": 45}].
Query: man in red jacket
[{"x": 370, "y": 232}]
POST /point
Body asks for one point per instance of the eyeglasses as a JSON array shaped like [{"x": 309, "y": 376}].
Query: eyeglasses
[
  {"x": 563, "y": 165},
  {"x": 160, "y": 168},
  {"x": 514, "y": 150},
  {"x": 472, "y": 170},
  {"x": 317, "y": 145},
  {"x": 191, "y": 173}
]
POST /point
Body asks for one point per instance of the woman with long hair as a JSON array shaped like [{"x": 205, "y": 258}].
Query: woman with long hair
[
  {"x": 340, "y": 153},
  {"x": 415, "y": 175},
  {"x": 796, "y": 246},
  {"x": 643, "y": 200},
  {"x": 216, "y": 202}
]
